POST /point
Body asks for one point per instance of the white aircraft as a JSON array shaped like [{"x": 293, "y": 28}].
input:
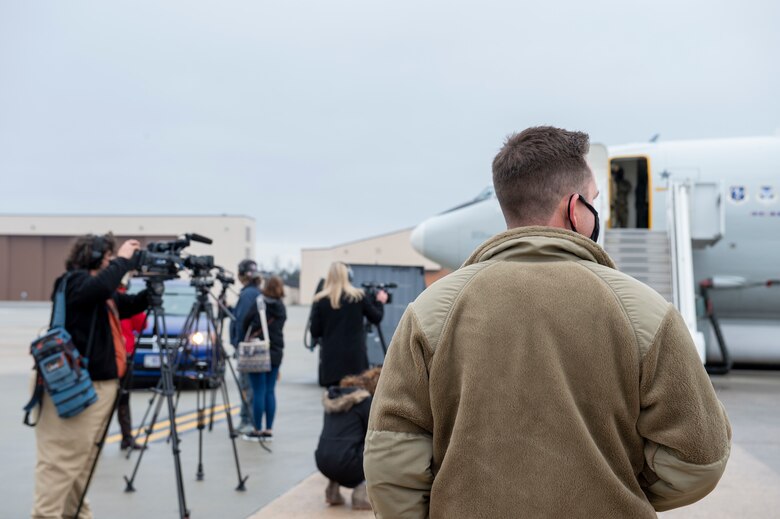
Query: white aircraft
[{"x": 702, "y": 228}]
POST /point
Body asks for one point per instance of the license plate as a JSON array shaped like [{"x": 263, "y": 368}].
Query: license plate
[{"x": 151, "y": 361}]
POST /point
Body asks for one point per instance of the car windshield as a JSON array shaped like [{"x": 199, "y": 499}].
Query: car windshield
[{"x": 177, "y": 299}]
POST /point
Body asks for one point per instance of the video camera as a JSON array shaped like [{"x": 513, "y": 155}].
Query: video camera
[
  {"x": 164, "y": 259},
  {"x": 372, "y": 288},
  {"x": 225, "y": 277}
]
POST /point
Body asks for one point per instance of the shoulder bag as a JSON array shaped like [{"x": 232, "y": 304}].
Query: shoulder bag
[{"x": 254, "y": 354}]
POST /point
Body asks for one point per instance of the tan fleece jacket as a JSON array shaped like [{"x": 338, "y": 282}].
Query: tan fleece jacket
[{"x": 538, "y": 381}]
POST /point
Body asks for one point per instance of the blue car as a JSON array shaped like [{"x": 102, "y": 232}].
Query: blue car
[{"x": 192, "y": 351}]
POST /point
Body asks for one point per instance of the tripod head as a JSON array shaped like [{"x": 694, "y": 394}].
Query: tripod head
[
  {"x": 155, "y": 286},
  {"x": 202, "y": 284},
  {"x": 224, "y": 277}
]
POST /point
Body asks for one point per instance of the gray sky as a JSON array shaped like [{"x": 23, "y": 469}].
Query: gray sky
[{"x": 332, "y": 121}]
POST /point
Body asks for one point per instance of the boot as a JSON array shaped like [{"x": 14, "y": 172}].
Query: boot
[
  {"x": 333, "y": 494},
  {"x": 360, "y": 498},
  {"x": 125, "y": 424}
]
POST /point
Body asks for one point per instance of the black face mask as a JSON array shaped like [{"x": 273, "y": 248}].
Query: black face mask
[{"x": 595, "y": 234}]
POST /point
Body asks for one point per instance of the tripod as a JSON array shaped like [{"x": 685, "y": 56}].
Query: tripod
[
  {"x": 165, "y": 390},
  {"x": 369, "y": 328},
  {"x": 201, "y": 312}
]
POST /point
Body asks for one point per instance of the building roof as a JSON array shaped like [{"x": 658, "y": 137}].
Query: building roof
[{"x": 361, "y": 240}]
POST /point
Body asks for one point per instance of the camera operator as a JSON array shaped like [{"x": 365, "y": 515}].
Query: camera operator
[
  {"x": 67, "y": 447},
  {"x": 337, "y": 319}
]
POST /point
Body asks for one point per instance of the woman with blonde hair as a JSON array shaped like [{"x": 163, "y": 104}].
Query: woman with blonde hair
[{"x": 337, "y": 320}]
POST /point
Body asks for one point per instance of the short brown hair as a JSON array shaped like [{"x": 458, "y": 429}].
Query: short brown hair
[
  {"x": 536, "y": 168},
  {"x": 274, "y": 287},
  {"x": 80, "y": 256}
]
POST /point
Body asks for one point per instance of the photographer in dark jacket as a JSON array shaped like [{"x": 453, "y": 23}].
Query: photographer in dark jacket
[
  {"x": 337, "y": 318},
  {"x": 67, "y": 447}
]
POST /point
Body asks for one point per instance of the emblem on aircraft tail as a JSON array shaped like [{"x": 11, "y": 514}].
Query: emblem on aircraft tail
[
  {"x": 766, "y": 194},
  {"x": 738, "y": 194}
]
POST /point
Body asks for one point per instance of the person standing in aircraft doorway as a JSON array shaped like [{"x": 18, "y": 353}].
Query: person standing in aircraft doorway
[
  {"x": 537, "y": 380},
  {"x": 622, "y": 190}
]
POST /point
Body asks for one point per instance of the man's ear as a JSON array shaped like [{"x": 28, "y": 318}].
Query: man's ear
[{"x": 571, "y": 211}]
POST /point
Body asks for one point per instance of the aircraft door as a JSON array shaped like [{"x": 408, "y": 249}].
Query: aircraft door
[
  {"x": 598, "y": 160},
  {"x": 629, "y": 193}
]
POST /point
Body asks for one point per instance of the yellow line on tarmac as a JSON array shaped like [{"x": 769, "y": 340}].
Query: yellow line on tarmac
[
  {"x": 163, "y": 426},
  {"x": 189, "y": 426},
  {"x": 163, "y": 432}
]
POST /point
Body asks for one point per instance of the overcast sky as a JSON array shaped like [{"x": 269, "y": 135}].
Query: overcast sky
[{"x": 333, "y": 121}]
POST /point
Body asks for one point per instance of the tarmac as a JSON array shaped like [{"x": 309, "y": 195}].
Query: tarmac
[{"x": 284, "y": 483}]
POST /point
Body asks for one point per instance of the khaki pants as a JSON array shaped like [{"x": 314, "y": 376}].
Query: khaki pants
[{"x": 66, "y": 448}]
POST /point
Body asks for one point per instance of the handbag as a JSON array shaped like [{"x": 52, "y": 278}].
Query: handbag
[{"x": 254, "y": 354}]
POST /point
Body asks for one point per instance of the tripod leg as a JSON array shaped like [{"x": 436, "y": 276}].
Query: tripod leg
[
  {"x": 217, "y": 367},
  {"x": 381, "y": 339},
  {"x": 129, "y": 481},
  {"x": 176, "y": 451},
  {"x": 173, "y": 370},
  {"x": 175, "y": 407},
  {"x": 241, "y": 394},
  {"x": 228, "y": 414},
  {"x": 168, "y": 391},
  {"x": 200, "y": 399},
  {"x": 99, "y": 446},
  {"x": 155, "y": 393},
  {"x": 213, "y": 405}
]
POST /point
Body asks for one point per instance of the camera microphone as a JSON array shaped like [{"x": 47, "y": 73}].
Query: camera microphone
[{"x": 199, "y": 238}]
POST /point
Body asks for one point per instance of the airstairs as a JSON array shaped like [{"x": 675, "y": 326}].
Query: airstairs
[
  {"x": 644, "y": 255},
  {"x": 663, "y": 259}
]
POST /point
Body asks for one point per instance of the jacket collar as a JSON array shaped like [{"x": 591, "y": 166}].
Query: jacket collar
[
  {"x": 342, "y": 399},
  {"x": 542, "y": 243},
  {"x": 250, "y": 287}
]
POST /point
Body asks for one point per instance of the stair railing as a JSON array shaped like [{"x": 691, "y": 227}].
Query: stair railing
[{"x": 683, "y": 281}]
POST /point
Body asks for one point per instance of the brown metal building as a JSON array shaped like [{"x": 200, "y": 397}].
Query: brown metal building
[
  {"x": 33, "y": 248},
  {"x": 30, "y": 264}
]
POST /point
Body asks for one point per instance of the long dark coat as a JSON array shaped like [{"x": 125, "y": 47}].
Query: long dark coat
[{"x": 343, "y": 336}]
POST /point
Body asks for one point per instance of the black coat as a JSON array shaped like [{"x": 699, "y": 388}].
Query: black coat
[
  {"x": 85, "y": 297},
  {"x": 276, "y": 314},
  {"x": 343, "y": 336},
  {"x": 339, "y": 454}
]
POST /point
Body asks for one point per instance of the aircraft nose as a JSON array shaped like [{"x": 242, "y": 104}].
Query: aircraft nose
[{"x": 418, "y": 238}]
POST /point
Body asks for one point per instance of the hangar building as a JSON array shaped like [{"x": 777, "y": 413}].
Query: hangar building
[
  {"x": 33, "y": 248},
  {"x": 391, "y": 249}
]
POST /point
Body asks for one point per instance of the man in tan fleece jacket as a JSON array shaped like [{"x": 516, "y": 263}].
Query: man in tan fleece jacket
[{"x": 537, "y": 380}]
